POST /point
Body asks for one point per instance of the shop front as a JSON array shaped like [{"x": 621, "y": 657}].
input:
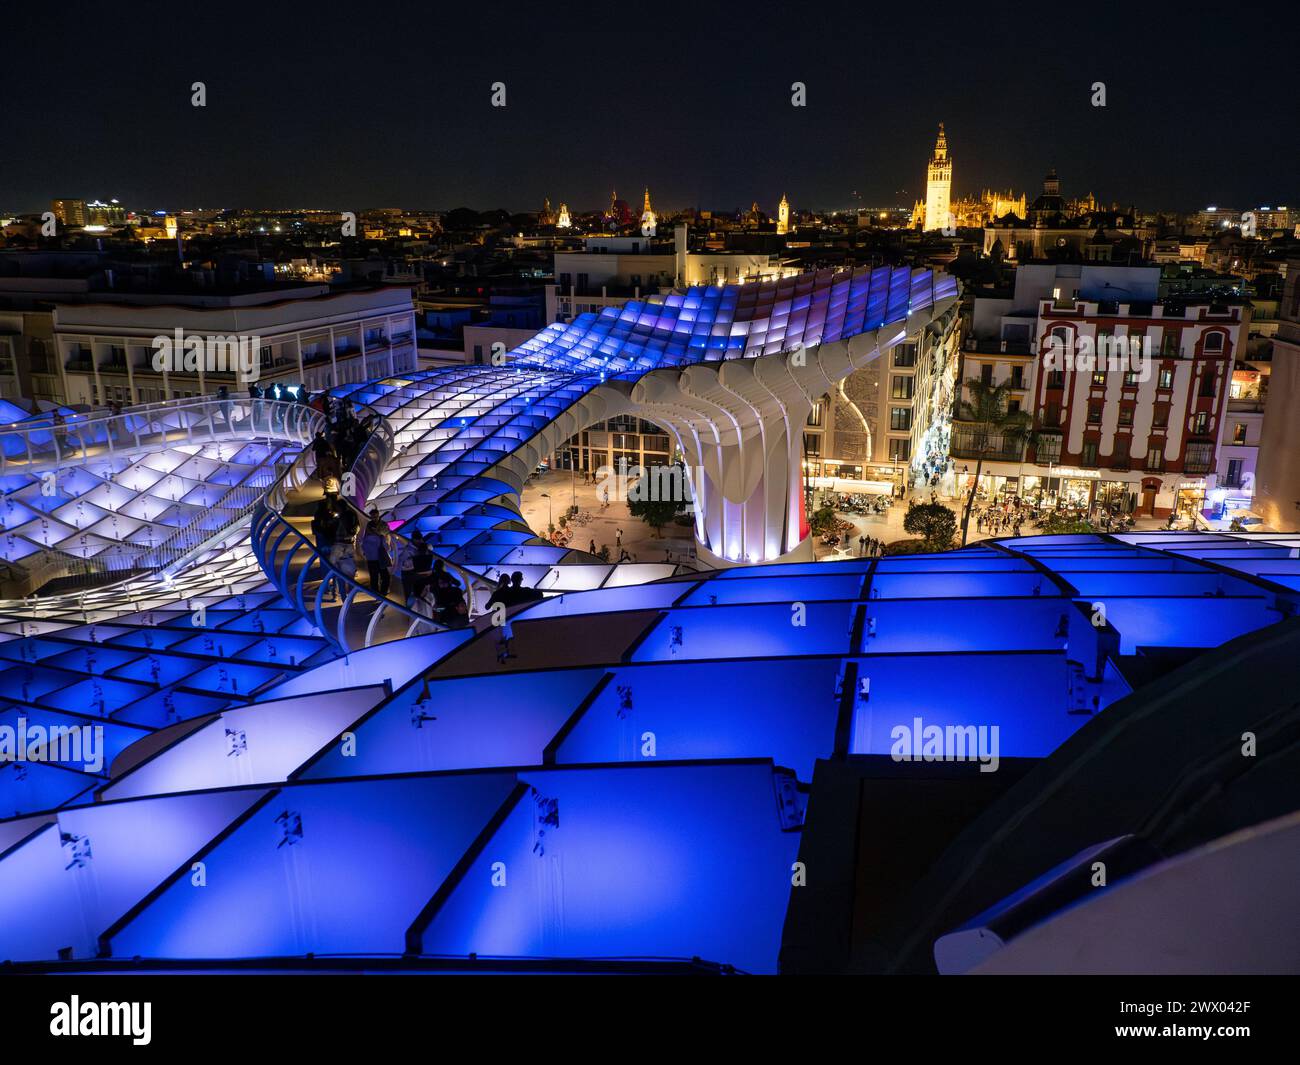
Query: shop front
[
  {"x": 996, "y": 486},
  {"x": 853, "y": 478},
  {"x": 1118, "y": 497},
  {"x": 1189, "y": 500},
  {"x": 1066, "y": 488}
]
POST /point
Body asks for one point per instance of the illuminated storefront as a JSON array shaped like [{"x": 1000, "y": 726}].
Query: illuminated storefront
[
  {"x": 1189, "y": 499},
  {"x": 1067, "y": 487}
]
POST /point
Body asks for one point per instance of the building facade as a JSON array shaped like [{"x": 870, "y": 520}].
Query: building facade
[
  {"x": 875, "y": 432},
  {"x": 1277, "y": 483},
  {"x": 1134, "y": 416},
  {"x": 105, "y": 352}
]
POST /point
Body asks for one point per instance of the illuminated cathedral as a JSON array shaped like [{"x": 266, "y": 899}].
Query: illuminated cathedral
[{"x": 939, "y": 210}]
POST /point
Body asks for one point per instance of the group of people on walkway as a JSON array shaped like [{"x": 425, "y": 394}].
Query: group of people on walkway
[
  {"x": 427, "y": 586},
  {"x": 337, "y": 446}
]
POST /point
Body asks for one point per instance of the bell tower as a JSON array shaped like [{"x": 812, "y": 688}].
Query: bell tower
[{"x": 938, "y": 184}]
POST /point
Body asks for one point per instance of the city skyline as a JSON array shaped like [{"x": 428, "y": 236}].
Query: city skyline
[
  {"x": 320, "y": 124},
  {"x": 660, "y": 490}
]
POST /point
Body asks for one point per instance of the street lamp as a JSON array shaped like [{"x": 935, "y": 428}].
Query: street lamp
[{"x": 547, "y": 497}]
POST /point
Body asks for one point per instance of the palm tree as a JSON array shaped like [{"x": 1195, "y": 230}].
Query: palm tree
[{"x": 992, "y": 429}]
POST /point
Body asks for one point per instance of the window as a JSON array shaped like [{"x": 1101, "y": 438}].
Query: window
[
  {"x": 812, "y": 443},
  {"x": 1207, "y": 386},
  {"x": 1200, "y": 457},
  {"x": 1166, "y": 379},
  {"x": 1017, "y": 377},
  {"x": 1155, "y": 458},
  {"x": 1049, "y": 447},
  {"x": 1233, "y": 479},
  {"x": 1119, "y": 454},
  {"x": 1169, "y": 344},
  {"x": 1099, "y": 379},
  {"x": 1239, "y": 433},
  {"x": 901, "y": 388},
  {"x": 817, "y": 415},
  {"x": 1094, "y": 413},
  {"x": 1130, "y": 378},
  {"x": 986, "y": 373},
  {"x": 905, "y": 355},
  {"x": 1160, "y": 419},
  {"x": 900, "y": 450},
  {"x": 1126, "y": 415},
  {"x": 1052, "y": 415},
  {"x": 1089, "y": 453},
  {"x": 900, "y": 418},
  {"x": 1056, "y": 379},
  {"x": 1214, "y": 341},
  {"x": 1201, "y": 424}
]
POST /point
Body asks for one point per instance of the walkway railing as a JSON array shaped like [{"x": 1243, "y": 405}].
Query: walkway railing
[
  {"x": 34, "y": 446},
  {"x": 347, "y": 612},
  {"x": 198, "y": 421}
]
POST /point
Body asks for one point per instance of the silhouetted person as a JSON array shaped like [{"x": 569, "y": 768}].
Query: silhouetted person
[
  {"x": 421, "y": 564},
  {"x": 374, "y": 546}
]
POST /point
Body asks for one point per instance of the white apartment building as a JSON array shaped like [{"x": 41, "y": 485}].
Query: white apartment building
[
  {"x": 105, "y": 350},
  {"x": 878, "y": 429},
  {"x": 612, "y": 270}
]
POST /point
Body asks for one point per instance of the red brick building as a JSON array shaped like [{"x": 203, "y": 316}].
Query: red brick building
[{"x": 1128, "y": 398}]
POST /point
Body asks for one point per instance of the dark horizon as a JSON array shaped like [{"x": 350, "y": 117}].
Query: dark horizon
[{"x": 316, "y": 110}]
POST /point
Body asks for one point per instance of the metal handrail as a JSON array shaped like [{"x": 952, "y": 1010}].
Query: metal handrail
[
  {"x": 275, "y": 418},
  {"x": 271, "y": 530},
  {"x": 47, "y": 444},
  {"x": 376, "y": 455}
]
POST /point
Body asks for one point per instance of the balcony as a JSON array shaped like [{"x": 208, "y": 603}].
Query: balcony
[
  {"x": 1199, "y": 457},
  {"x": 971, "y": 443},
  {"x": 998, "y": 347}
]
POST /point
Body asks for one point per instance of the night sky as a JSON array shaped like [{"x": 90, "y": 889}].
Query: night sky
[{"x": 352, "y": 105}]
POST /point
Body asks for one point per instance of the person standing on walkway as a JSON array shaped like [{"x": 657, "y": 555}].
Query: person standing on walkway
[
  {"x": 374, "y": 546},
  {"x": 421, "y": 565}
]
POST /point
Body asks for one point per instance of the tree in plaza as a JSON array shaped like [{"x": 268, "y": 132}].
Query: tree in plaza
[
  {"x": 990, "y": 429},
  {"x": 658, "y": 494},
  {"x": 823, "y": 520},
  {"x": 934, "y": 522},
  {"x": 654, "y": 512}
]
